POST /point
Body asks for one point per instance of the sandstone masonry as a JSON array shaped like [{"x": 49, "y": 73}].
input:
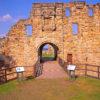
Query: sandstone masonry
[{"x": 51, "y": 25}]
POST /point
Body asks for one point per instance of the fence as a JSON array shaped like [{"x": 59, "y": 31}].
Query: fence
[
  {"x": 38, "y": 68},
  {"x": 83, "y": 69},
  {"x": 88, "y": 70},
  {"x": 7, "y": 74}
]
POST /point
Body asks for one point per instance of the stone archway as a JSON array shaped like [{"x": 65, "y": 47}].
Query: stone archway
[{"x": 53, "y": 46}]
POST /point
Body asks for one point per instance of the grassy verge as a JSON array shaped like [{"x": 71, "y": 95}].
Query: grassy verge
[
  {"x": 8, "y": 87},
  {"x": 52, "y": 89}
]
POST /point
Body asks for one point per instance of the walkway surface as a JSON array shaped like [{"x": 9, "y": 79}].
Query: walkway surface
[{"x": 51, "y": 70}]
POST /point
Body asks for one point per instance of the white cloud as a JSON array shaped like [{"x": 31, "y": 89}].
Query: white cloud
[
  {"x": 5, "y": 18},
  {"x": 2, "y": 35},
  {"x": 8, "y": 17}
]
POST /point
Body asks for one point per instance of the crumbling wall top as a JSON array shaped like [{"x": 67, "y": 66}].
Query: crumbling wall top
[{"x": 56, "y": 4}]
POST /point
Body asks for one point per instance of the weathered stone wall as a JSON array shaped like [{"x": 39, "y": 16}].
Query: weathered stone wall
[
  {"x": 51, "y": 25},
  {"x": 2, "y": 46},
  {"x": 85, "y": 46}
]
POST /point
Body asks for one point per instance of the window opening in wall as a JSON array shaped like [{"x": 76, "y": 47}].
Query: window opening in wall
[
  {"x": 90, "y": 11},
  {"x": 68, "y": 12},
  {"x": 29, "y": 30},
  {"x": 75, "y": 28}
]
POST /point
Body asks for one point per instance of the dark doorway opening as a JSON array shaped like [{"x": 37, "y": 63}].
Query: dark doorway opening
[
  {"x": 69, "y": 58},
  {"x": 48, "y": 52}
]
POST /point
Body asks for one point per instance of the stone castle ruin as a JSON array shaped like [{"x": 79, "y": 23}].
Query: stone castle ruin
[{"x": 67, "y": 27}]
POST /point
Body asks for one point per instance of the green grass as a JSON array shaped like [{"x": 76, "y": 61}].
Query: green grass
[
  {"x": 48, "y": 55},
  {"x": 8, "y": 87},
  {"x": 52, "y": 89},
  {"x": 87, "y": 89}
]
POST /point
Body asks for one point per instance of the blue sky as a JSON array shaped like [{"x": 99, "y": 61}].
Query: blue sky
[{"x": 13, "y": 10}]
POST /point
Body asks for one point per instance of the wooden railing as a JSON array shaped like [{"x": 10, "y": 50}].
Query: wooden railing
[
  {"x": 5, "y": 72},
  {"x": 88, "y": 70}
]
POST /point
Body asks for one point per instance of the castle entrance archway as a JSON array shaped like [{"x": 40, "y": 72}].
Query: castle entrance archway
[{"x": 48, "y": 52}]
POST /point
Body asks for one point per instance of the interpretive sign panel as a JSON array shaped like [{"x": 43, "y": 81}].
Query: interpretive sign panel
[
  {"x": 71, "y": 67},
  {"x": 20, "y": 69}
]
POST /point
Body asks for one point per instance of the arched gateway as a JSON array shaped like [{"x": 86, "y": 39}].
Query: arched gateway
[
  {"x": 55, "y": 48},
  {"x": 50, "y": 23}
]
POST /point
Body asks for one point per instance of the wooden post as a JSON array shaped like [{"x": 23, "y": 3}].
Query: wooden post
[
  {"x": 85, "y": 69},
  {"x": 98, "y": 72},
  {"x": 5, "y": 74}
]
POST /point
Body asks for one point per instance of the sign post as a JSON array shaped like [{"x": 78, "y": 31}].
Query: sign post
[
  {"x": 71, "y": 71},
  {"x": 20, "y": 71}
]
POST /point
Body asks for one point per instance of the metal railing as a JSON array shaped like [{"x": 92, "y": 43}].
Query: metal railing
[{"x": 38, "y": 68}]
